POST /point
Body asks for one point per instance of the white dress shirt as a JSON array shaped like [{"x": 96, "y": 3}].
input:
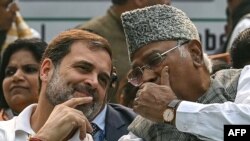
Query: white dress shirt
[
  {"x": 19, "y": 129},
  {"x": 207, "y": 120},
  {"x": 243, "y": 93},
  {"x": 100, "y": 122}
]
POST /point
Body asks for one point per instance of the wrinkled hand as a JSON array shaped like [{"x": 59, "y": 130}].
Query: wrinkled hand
[
  {"x": 152, "y": 98},
  {"x": 64, "y": 121}
]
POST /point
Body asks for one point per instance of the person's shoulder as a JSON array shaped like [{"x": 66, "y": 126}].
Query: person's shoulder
[
  {"x": 229, "y": 78},
  {"x": 8, "y": 125},
  {"x": 119, "y": 107},
  {"x": 125, "y": 111},
  {"x": 99, "y": 22},
  {"x": 227, "y": 73},
  {"x": 7, "y": 129},
  {"x": 95, "y": 21}
]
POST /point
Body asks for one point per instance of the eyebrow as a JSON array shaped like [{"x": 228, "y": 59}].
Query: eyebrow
[
  {"x": 84, "y": 62},
  {"x": 28, "y": 64}
]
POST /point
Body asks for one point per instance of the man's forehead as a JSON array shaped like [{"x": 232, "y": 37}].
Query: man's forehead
[{"x": 91, "y": 54}]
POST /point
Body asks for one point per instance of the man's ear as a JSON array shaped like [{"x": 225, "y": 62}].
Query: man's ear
[
  {"x": 196, "y": 53},
  {"x": 46, "y": 69},
  {"x": 114, "y": 78}
]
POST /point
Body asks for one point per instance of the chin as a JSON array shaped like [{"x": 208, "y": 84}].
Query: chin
[{"x": 90, "y": 110}]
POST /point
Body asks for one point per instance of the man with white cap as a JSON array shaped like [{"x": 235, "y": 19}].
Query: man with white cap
[{"x": 168, "y": 67}]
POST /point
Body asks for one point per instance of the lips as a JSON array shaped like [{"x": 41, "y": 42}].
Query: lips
[
  {"x": 80, "y": 94},
  {"x": 18, "y": 89},
  {"x": 84, "y": 90}
]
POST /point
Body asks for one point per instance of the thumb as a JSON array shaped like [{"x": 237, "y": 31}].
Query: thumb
[{"x": 165, "y": 76}]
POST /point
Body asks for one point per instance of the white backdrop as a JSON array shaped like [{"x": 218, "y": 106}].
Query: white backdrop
[{"x": 49, "y": 17}]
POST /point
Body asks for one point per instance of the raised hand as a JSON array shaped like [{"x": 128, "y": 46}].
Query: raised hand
[
  {"x": 152, "y": 99},
  {"x": 64, "y": 121}
]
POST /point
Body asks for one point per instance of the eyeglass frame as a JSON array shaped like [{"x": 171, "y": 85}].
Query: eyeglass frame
[{"x": 147, "y": 66}]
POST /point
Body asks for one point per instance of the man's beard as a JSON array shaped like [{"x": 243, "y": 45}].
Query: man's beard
[{"x": 58, "y": 92}]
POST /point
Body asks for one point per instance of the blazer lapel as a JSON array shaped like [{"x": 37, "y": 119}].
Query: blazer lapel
[{"x": 115, "y": 127}]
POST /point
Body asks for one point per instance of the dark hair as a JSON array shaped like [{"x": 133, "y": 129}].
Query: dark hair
[
  {"x": 34, "y": 45},
  {"x": 60, "y": 45},
  {"x": 240, "y": 11},
  {"x": 119, "y": 2},
  {"x": 237, "y": 14},
  {"x": 240, "y": 51}
]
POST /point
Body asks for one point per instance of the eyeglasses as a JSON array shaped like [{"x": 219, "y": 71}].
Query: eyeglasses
[{"x": 135, "y": 75}]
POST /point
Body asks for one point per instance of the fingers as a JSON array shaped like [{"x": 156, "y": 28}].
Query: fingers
[
  {"x": 73, "y": 102},
  {"x": 83, "y": 124},
  {"x": 165, "y": 76},
  {"x": 85, "y": 129},
  {"x": 89, "y": 127}
]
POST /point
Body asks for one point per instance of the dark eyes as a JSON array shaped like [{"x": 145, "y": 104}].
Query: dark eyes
[
  {"x": 102, "y": 78},
  {"x": 30, "y": 70},
  {"x": 84, "y": 68},
  {"x": 10, "y": 71}
]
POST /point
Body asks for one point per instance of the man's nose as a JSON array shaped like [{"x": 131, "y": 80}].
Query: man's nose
[{"x": 92, "y": 80}]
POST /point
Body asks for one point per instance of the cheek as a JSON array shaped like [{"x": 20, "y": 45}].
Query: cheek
[
  {"x": 102, "y": 94},
  {"x": 33, "y": 82},
  {"x": 6, "y": 85}
]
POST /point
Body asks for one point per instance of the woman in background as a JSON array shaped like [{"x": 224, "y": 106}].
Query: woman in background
[{"x": 19, "y": 83}]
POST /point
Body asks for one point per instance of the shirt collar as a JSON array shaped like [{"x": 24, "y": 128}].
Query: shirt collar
[
  {"x": 23, "y": 120},
  {"x": 100, "y": 118}
]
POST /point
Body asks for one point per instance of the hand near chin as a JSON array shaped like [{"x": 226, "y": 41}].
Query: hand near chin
[
  {"x": 64, "y": 121},
  {"x": 152, "y": 99}
]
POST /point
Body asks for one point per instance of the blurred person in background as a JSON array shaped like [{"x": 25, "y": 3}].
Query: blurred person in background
[
  {"x": 12, "y": 24},
  {"x": 110, "y": 27},
  {"x": 239, "y": 12},
  {"x": 7, "y": 16},
  {"x": 19, "y": 76},
  {"x": 240, "y": 51}
]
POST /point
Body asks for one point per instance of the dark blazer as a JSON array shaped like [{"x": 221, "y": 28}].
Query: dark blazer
[{"x": 118, "y": 118}]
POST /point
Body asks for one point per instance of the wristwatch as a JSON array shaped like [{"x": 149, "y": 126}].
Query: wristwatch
[{"x": 170, "y": 111}]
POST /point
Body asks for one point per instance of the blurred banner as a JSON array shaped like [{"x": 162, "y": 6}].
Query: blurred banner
[{"x": 50, "y": 17}]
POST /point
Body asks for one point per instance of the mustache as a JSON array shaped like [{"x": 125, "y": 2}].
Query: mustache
[{"x": 85, "y": 89}]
